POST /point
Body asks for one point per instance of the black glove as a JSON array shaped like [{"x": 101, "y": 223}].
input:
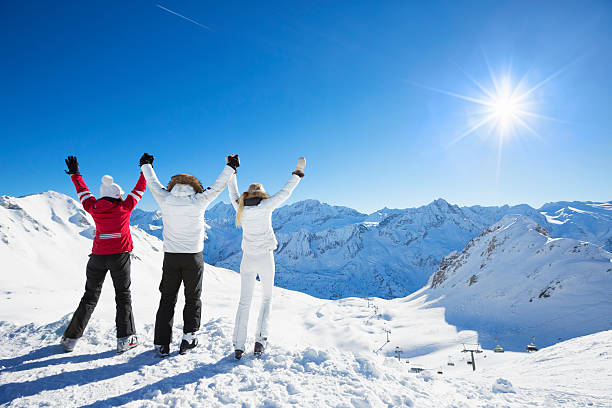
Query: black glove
[
  {"x": 146, "y": 159},
  {"x": 233, "y": 161},
  {"x": 73, "y": 165}
]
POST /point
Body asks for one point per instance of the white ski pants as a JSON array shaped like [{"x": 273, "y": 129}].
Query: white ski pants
[{"x": 253, "y": 264}]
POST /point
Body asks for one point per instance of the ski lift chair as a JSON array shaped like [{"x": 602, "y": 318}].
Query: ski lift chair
[{"x": 531, "y": 347}]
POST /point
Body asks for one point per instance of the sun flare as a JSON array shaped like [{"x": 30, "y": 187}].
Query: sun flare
[{"x": 504, "y": 110}]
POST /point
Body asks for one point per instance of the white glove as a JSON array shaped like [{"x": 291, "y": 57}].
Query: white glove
[{"x": 301, "y": 163}]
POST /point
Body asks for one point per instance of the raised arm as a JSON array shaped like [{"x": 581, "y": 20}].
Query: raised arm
[
  {"x": 209, "y": 194},
  {"x": 234, "y": 195},
  {"x": 136, "y": 194},
  {"x": 157, "y": 189},
  {"x": 279, "y": 198},
  {"x": 206, "y": 196},
  {"x": 87, "y": 199}
]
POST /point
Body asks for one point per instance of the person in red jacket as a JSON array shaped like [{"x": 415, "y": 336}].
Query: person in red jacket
[{"x": 111, "y": 251}]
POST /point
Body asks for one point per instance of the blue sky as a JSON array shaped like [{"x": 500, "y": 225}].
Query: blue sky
[{"x": 345, "y": 84}]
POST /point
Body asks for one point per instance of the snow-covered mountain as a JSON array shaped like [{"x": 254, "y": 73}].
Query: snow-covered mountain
[
  {"x": 514, "y": 281},
  {"x": 586, "y": 221},
  {"x": 332, "y": 251},
  {"x": 320, "y": 351}
]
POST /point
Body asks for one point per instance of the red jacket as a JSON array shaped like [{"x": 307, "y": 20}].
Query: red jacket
[{"x": 112, "y": 217}]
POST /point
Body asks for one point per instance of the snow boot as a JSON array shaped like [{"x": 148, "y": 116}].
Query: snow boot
[
  {"x": 126, "y": 343},
  {"x": 238, "y": 354},
  {"x": 68, "y": 344},
  {"x": 259, "y": 349},
  {"x": 163, "y": 350},
  {"x": 189, "y": 342}
]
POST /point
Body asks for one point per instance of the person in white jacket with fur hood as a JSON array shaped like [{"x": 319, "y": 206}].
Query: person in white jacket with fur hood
[
  {"x": 254, "y": 214},
  {"x": 182, "y": 205}
]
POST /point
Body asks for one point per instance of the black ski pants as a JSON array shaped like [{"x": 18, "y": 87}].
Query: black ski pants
[
  {"x": 188, "y": 269},
  {"x": 119, "y": 266}
]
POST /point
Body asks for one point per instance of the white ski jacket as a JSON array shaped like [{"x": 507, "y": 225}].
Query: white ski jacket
[
  {"x": 256, "y": 221},
  {"x": 183, "y": 210}
]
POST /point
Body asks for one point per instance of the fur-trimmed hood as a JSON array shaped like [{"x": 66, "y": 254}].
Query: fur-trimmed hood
[
  {"x": 184, "y": 184},
  {"x": 253, "y": 195},
  {"x": 256, "y": 190}
]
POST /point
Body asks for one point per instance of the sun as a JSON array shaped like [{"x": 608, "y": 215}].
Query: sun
[{"x": 504, "y": 109}]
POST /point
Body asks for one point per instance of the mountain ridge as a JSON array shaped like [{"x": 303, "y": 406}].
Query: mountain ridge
[{"x": 335, "y": 251}]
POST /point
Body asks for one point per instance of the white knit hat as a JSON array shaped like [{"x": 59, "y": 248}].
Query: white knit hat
[{"x": 110, "y": 189}]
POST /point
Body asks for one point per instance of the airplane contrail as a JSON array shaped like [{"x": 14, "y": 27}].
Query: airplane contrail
[{"x": 183, "y": 17}]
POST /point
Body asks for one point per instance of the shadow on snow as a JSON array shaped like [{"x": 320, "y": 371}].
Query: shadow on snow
[
  {"x": 24, "y": 363},
  {"x": 11, "y": 391},
  {"x": 166, "y": 385}
]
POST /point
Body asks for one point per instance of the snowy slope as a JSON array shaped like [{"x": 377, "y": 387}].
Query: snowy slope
[
  {"x": 515, "y": 281},
  {"x": 573, "y": 367},
  {"x": 586, "y": 221},
  {"x": 571, "y": 374},
  {"x": 321, "y": 351}
]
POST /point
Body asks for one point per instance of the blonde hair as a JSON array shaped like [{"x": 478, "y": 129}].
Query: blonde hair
[{"x": 255, "y": 191}]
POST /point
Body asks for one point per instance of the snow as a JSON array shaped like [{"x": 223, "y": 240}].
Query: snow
[
  {"x": 35, "y": 372},
  {"x": 502, "y": 385},
  {"x": 553, "y": 219},
  {"x": 321, "y": 352},
  {"x": 586, "y": 221},
  {"x": 514, "y": 281}
]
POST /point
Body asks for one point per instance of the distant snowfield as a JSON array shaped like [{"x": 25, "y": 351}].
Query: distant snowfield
[{"x": 321, "y": 352}]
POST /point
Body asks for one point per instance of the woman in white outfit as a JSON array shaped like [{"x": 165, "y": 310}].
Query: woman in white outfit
[{"x": 254, "y": 214}]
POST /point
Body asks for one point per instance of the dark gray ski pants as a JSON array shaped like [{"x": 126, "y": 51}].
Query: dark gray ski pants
[
  {"x": 119, "y": 266},
  {"x": 179, "y": 268}
]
